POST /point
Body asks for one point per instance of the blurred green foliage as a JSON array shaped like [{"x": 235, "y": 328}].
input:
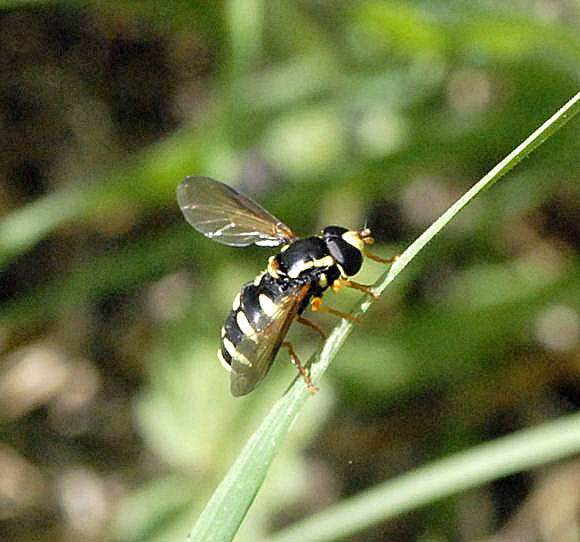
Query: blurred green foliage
[{"x": 326, "y": 112}]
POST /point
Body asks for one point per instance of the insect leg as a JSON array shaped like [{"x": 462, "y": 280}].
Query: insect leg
[
  {"x": 312, "y": 325},
  {"x": 301, "y": 369},
  {"x": 339, "y": 283},
  {"x": 365, "y": 235},
  {"x": 316, "y": 305},
  {"x": 371, "y": 256}
]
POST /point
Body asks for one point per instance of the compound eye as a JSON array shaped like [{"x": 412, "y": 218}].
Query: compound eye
[
  {"x": 348, "y": 257},
  {"x": 333, "y": 231}
]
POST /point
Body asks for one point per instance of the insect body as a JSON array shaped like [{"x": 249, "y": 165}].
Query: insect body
[{"x": 263, "y": 311}]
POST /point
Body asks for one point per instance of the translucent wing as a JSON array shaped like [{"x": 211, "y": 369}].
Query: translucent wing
[
  {"x": 223, "y": 214},
  {"x": 255, "y": 358}
]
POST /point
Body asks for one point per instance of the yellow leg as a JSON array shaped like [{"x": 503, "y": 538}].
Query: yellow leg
[
  {"x": 316, "y": 305},
  {"x": 301, "y": 369},
  {"x": 367, "y": 239},
  {"x": 339, "y": 283},
  {"x": 312, "y": 325},
  {"x": 371, "y": 256}
]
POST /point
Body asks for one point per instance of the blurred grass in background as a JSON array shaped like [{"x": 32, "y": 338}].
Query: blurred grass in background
[{"x": 115, "y": 415}]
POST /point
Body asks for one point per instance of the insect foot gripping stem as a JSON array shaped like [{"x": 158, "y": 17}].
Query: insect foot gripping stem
[
  {"x": 301, "y": 369},
  {"x": 316, "y": 305},
  {"x": 339, "y": 283}
]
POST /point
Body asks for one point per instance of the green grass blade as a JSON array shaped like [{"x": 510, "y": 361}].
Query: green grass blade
[
  {"x": 523, "y": 450},
  {"x": 225, "y": 511},
  {"x": 533, "y": 141}
]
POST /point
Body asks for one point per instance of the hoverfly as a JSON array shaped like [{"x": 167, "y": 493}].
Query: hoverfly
[{"x": 296, "y": 277}]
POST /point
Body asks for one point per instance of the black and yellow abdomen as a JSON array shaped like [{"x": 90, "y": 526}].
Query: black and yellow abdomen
[
  {"x": 256, "y": 327},
  {"x": 253, "y": 310}
]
